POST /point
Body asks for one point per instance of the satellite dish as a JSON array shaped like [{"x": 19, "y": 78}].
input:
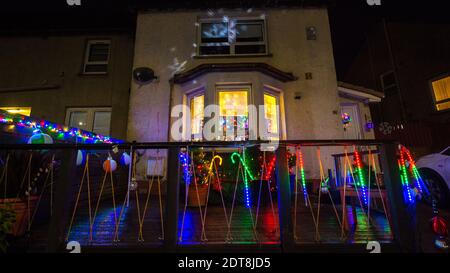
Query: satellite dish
[{"x": 144, "y": 75}]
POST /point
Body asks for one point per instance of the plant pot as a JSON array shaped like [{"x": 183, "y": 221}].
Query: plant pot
[
  {"x": 193, "y": 201},
  {"x": 20, "y": 207}
]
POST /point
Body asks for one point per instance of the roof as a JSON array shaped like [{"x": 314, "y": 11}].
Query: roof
[
  {"x": 233, "y": 67},
  {"x": 359, "y": 92}
]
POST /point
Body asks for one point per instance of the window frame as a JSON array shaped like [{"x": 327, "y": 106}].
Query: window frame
[
  {"x": 277, "y": 97},
  {"x": 90, "y": 116},
  {"x": 229, "y": 87},
  {"x": 189, "y": 97},
  {"x": 86, "y": 63},
  {"x": 433, "y": 95},
  {"x": 232, "y": 45}
]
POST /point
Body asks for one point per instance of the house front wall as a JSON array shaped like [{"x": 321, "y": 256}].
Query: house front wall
[
  {"x": 164, "y": 39},
  {"x": 45, "y": 73}
]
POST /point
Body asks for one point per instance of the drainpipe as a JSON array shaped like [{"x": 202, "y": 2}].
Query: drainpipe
[{"x": 394, "y": 67}]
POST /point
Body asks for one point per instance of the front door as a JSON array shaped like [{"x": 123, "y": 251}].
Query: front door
[{"x": 352, "y": 129}]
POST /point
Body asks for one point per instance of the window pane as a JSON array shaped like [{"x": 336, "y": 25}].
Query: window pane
[
  {"x": 233, "y": 115},
  {"x": 197, "y": 106},
  {"x": 96, "y": 68},
  {"x": 250, "y": 49},
  {"x": 249, "y": 31},
  {"x": 98, "y": 52},
  {"x": 214, "y": 32},
  {"x": 214, "y": 50},
  {"x": 78, "y": 119},
  {"x": 102, "y": 122},
  {"x": 270, "y": 112},
  {"x": 443, "y": 106},
  {"x": 441, "y": 89}
]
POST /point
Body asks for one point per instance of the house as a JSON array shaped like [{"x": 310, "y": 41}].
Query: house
[
  {"x": 235, "y": 59},
  {"x": 79, "y": 78},
  {"x": 408, "y": 62}
]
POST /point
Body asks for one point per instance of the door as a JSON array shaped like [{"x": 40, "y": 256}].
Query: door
[{"x": 352, "y": 128}]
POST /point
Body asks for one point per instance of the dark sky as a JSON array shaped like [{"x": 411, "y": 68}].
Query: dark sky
[{"x": 349, "y": 19}]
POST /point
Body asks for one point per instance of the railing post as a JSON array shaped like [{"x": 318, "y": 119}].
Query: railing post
[
  {"x": 284, "y": 200},
  {"x": 403, "y": 217},
  {"x": 63, "y": 186},
  {"x": 172, "y": 199}
]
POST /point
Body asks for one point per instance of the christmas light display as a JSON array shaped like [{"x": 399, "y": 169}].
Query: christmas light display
[
  {"x": 302, "y": 175},
  {"x": 56, "y": 131},
  {"x": 404, "y": 179},
  {"x": 418, "y": 180},
  {"x": 361, "y": 181},
  {"x": 270, "y": 168},
  {"x": 184, "y": 159},
  {"x": 247, "y": 172}
]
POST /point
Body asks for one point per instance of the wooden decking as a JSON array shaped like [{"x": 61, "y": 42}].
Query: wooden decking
[{"x": 242, "y": 230}]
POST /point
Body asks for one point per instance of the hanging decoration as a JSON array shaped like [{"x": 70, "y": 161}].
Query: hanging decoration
[
  {"x": 81, "y": 157},
  {"x": 346, "y": 120},
  {"x": 125, "y": 159},
  {"x": 246, "y": 172},
  {"x": 39, "y": 138},
  {"x": 53, "y": 130},
  {"x": 110, "y": 165}
]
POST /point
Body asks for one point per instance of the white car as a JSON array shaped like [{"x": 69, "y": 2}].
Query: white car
[{"x": 435, "y": 172}]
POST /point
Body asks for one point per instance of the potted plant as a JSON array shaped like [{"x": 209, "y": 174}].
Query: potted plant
[
  {"x": 17, "y": 171},
  {"x": 7, "y": 219}
]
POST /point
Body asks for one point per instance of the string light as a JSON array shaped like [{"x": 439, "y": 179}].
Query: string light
[
  {"x": 361, "y": 183},
  {"x": 413, "y": 167},
  {"x": 184, "y": 158},
  {"x": 56, "y": 130},
  {"x": 302, "y": 175},
  {"x": 246, "y": 185},
  {"x": 404, "y": 179}
]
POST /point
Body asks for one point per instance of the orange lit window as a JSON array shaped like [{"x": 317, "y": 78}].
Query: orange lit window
[
  {"x": 26, "y": 111},
  {"x": 233, "y": 114},
  {"x": 197, "y": 105},
  {"x": 441, "y": 93},
  {"x": 271, "y": 113}
]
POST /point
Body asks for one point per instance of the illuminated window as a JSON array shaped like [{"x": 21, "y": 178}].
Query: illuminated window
[
  {"x": 233, "y": 114},
  {"x": 26, "y": 111},
  {"x": 197, "y": 106},
  {"x": 441, "y": 93},
  {"x": 271, "y": 114}
]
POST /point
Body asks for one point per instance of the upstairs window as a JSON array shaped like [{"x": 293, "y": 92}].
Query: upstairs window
[
  {"x": 389, "y": 84},
  {"x": 441, "y": 93},
  {"x": 232, "y": 37},
  {"x": 96, "y": 57}
]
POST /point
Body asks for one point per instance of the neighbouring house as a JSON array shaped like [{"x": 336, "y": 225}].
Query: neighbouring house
[
  {"x": 408, "y": 62},
  {"x": 77, "y": 78},
  {"x": 237, "y": 58}
]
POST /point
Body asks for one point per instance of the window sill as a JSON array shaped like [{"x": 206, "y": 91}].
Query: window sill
[
  {"x": 82, "y": 74},
  {"x": 232, "y": 56}
]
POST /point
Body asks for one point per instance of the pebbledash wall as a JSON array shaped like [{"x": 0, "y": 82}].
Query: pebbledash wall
[
  {"x": 44, "y": 71},
  {"x": 163, "y": 38}
]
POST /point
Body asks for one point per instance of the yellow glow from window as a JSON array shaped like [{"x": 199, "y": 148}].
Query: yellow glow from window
[
  {"x": 270, "y": 112},
  {"x": 233, "y": 103},
  {"x": 441, "y": 90},
  {"x": 197, "y": 113},
  {"x": 443, "y": 106},
  {"x": 26, "y": 111}
]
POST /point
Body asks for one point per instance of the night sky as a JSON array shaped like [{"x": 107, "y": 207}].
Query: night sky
[{"x": 349, "y": 19}]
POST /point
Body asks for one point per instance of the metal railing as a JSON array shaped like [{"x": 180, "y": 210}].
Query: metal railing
[{"x": 292, "y": 201}]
